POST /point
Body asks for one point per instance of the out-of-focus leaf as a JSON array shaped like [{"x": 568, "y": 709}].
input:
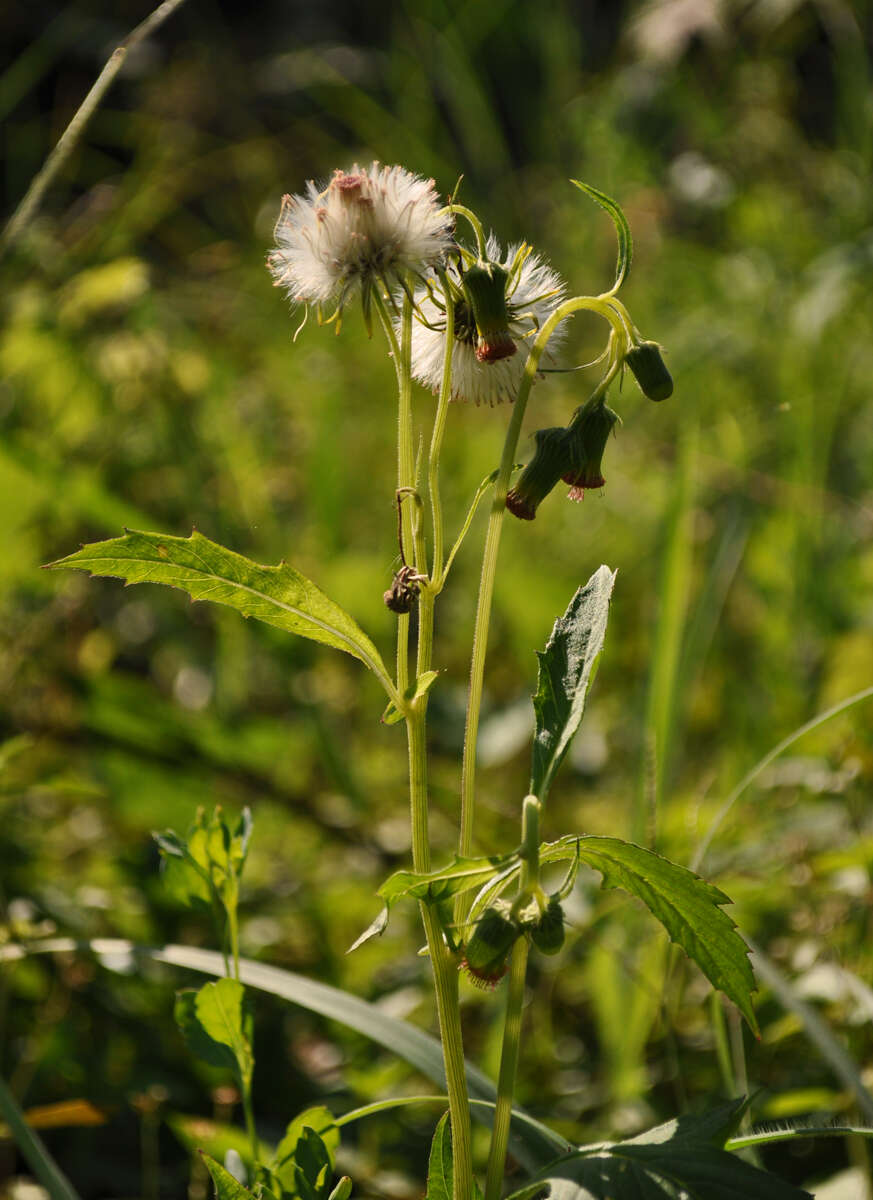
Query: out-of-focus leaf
[
  {"x": 34, "y": 1150},
  {"x": 440, "y": 1173},
  {"x": 216, "y": 1022},
  {"x": 278, "y": 596},
  {"x": 320, "y": 1121},
  {"x": 566, "y": 670},
  {"x": 531, "y": 1142},
  {"x": 226, "y": 1187}
]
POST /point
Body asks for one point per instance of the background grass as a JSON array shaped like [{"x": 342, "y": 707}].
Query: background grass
[{"x": 149, "y": 379}]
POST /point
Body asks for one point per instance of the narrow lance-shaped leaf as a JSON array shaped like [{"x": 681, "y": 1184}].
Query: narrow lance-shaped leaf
[
  {"x": 566, "y": 670},
  {"x": 622, "y": 230},
  {"x": 440, "y": 1173},
  {"x": 687, "y": 906},
  {"x": 278, "y": 596}
]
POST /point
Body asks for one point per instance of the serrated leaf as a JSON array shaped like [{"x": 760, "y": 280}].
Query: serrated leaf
[
  {"x": 622, "y": 230},
  {"x": 687, "y": 906},
  {"x": 226, "y": 1187},
  {"x": 678, "y": 1156},
  {"x": 440, "y": 1172},
  {"x": 714, "y": 1126},
  {"x": 566, "y": 671},
  {"x": 418, "y": 688},
  {"x": 279, "y": 596}
]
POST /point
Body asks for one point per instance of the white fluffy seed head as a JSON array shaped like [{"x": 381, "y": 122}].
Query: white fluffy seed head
[
  {"x": 533, "y": 294},
  {"x": 367, "y": 224}
]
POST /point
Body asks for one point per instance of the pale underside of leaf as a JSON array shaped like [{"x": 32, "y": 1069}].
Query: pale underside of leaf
[{"x": 566, "y": 670}]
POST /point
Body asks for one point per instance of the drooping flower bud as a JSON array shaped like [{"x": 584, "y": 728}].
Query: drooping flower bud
[
  {"x": 551, "y": 459},
  {"x": 548, "y": 932},
  {"x": 486, "y": 953},
  {"x": 588, "y": 433},
  {"x": 485, "y": 289},
  {"x": 650, "y": 370}
]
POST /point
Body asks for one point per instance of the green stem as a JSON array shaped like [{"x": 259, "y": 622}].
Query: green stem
[
  {"x": 436, "y": 441},
  {"x": 442, "y": 960},
  {"x": 251, "y": 1131},
  {"x": 405, "y": 462},
  {"x": 489, "y": 560},
  {"x": 233, "y": 934},
  {"x": 508, "y": 1067}
]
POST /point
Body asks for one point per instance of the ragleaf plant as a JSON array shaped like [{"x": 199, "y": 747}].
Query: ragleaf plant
[{"x": 474, "y": 323}]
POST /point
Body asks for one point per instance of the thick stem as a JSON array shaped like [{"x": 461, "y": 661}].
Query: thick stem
[
  {"x": 442, "y": 960},
  {"x": 446, "y": 979},
  {"x": 443, "y": 963},
  {"x": 508, "y": 1067}
]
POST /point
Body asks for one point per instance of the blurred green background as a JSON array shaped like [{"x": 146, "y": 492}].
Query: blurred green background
[{"x": 149, "y": 379}]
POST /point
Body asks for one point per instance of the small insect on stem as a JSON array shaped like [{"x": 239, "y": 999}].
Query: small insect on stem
[{"x": 403, "y": 593}]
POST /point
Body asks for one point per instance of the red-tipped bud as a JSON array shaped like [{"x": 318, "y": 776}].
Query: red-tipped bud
[
  {"x": 486, "y": 953},
  {"x": 550, "y": 461},
  {"x": 588, "y": 433},
  {"x": 650, "y": 370},
  {"x": 485, "y": 289}
]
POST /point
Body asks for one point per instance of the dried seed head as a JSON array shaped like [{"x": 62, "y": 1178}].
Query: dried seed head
[{"x": 368, "y": 225}]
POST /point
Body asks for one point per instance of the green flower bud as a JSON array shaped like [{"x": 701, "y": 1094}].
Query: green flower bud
[
  {"x": 588, "y": 433},
  {"x": 650, "y": 370},
  {"x": 548, "y": 933},
  {"x": 551, "y": 459},
  {"x": 485, "y": 289},
  {"x": 486, "y": 954}
]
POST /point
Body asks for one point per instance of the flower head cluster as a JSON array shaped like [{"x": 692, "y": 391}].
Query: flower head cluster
[
  {"x": 368, "y": 225},
  {"x": 485, "y": 365}
]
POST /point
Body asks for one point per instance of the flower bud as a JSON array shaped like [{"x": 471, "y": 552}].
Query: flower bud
[
  {"x": 588, "y": 433},
  {"x": 650, "y": 370},
  {"x": 548, "y": 933},
  {"x": 485, "y": 289},
  {"x": 550, "y": 461},
  {"x": 486, "y": 954}
]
